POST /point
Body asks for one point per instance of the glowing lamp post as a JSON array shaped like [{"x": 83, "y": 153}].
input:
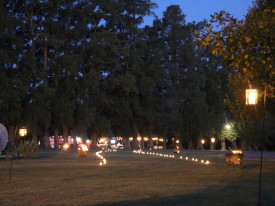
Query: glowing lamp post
[
  {"x": 251, "y": 97},
  {"x": 23, "y": 132}
]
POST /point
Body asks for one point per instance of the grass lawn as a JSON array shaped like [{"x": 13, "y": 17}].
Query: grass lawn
[{"x": 62, "y": 178}]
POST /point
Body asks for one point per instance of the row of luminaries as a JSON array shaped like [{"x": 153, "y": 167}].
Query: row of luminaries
[{"x": 171, "y": 156}]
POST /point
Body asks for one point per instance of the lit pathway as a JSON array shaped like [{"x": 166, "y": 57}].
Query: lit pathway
[
  {"x": 103, "y": 160},
  {"x": 172, "y": 156}
]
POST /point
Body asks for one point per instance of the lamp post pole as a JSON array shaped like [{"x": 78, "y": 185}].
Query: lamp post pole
[
  {"x": 252, "y": 99},
  {"x": 262, "y": 150}
]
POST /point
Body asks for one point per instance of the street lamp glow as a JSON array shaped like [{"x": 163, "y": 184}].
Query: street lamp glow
[
  {"x": 227, "y": 126},
  {"x": 213, "y": 140},
  {"x": 251, "y": 96},
  {"x": 202, "y": 141},
  {"x": 23, "y": 132}
]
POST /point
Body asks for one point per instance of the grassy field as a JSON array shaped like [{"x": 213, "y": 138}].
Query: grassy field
[{"x": 62, "y": 178}]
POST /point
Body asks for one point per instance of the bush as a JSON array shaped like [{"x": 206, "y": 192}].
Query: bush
[{"x": 27, "y": 149}]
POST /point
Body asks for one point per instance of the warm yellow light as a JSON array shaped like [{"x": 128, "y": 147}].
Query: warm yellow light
[
  {"x": 177, "y": 141},
  {"x": 227, "y": 126},
  {"x": 207, "y": 162},
  {"x": 180, "y": 157},
  {"x": 213, "y": 139},
  {"x": 155, "y": 138},
  {"x": 251, "y": 96},
  {"x": 131, "y": 138},
  {"x": 237, "y": 151},
  {"x": 145, "y": 139},
  {"x": 84, "y": 147},
  {"x": 202, "y": 161},
  {"x": 139, "y": 138},
  {"x": 23, "y": 132},
  {"x": 186, "y": 158},
  {"x": 66, "y": 146},
  {"x": 202, "y": 141},
  {"x": 161, "y": 139}
]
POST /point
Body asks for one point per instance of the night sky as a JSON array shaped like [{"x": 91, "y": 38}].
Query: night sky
[{"x": 197, "y": 10}]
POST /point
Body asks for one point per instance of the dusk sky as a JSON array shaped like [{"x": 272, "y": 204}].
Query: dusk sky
[{"x": 197, "y": 10}]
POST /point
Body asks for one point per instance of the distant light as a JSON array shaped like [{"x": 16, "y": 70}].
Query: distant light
[
  {"x": 227, "y": 126},
  {"x": 207, "y": 162},
  {"x": 202, "y": 141},
  {"x": 177, "y": 141},
  {"x": 113, "y": 141},
  {"x": 237, "y": 151},
  {"x": 78, "y": 140},
  {"x": 66, "y": 146},
  {"x": 139, "y": 138}
]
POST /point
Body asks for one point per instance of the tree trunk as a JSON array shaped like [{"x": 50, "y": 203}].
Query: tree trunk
[
  {"x": 223, "y": 145},
  {"x": 234, "y": 145},
  {"x": 190, "y": 144},
  {"x": 73, "y": 136},
  {"x": 150, "y": 144},
  {"x": 199, "y": 144},
  {"x": 65, "y": 133},
  {"x": 243, "y": 144},
  {"x": 46, "y": 136},
  {"x": 56, "y": 146},
  {"x": 164, "y": 146},
  {"x": 93, "y": 138},
  {"x": 212, "y": 146},
  {"x": 135, "y": 144},
  {"x": 12, "y": 135},
  {"x": 142, "y": 143},
  {"x": 127, "y": 143},
  {"x": 34, "y": 137}
]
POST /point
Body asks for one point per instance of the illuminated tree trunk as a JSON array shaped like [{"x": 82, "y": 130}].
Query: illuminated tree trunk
[
  {"x": 199, "y": 144},
  {"x": 212, "y": 146}
]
